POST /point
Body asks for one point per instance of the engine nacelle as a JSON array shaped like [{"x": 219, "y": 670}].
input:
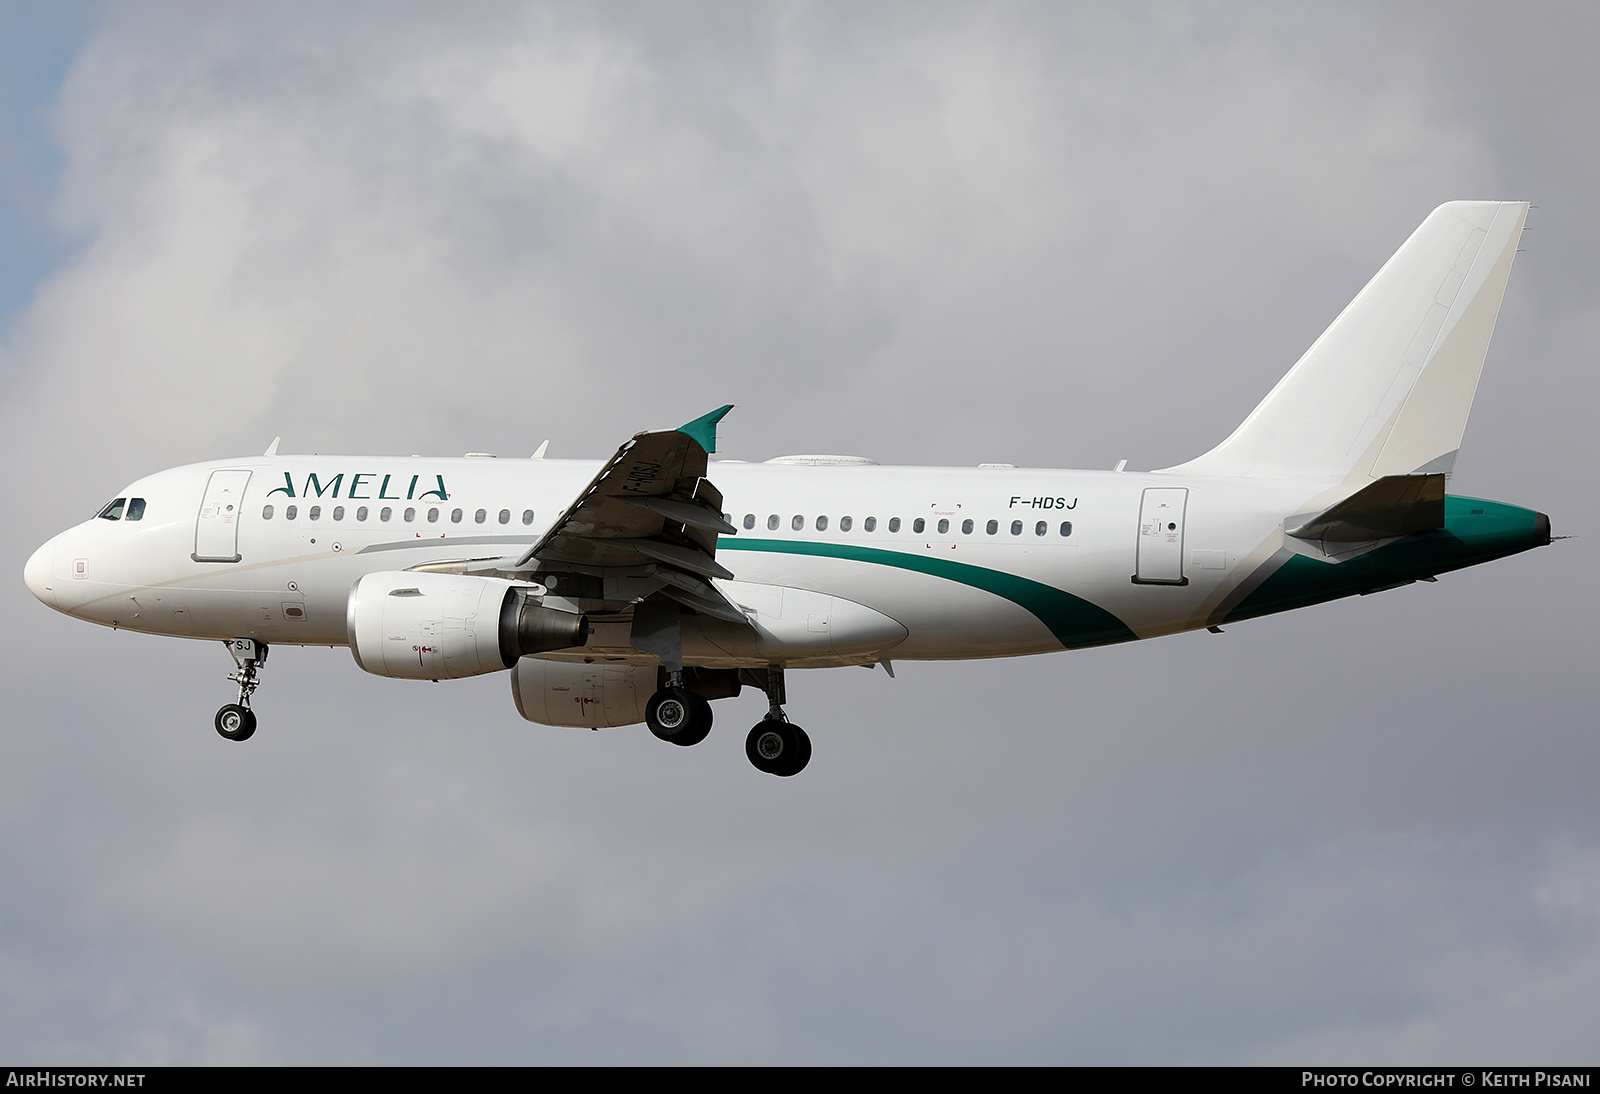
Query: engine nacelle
[
  {"x": 421, "y": 626},
  {"x": 555, "y": 693}
]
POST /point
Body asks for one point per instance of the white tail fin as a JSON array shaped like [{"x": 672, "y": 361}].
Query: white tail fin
[{"x": 1387, "y": 388}]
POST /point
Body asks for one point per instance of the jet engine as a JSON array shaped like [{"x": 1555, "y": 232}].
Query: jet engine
[
  {"x": 421, "y": 626},
  {"x": 555, "y": 693}
]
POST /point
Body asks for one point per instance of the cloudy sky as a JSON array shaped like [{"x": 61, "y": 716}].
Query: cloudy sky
[{"x": 1054, "y": 234}]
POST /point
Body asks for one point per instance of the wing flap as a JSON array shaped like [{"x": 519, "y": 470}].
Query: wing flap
[{"x": 697, "y": 514}]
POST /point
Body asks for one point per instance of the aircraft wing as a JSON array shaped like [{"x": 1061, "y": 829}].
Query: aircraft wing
[{"x": 647, "y": 523}]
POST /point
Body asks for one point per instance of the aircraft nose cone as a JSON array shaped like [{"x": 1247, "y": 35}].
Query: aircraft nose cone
[{"x": 39, "y": 574}]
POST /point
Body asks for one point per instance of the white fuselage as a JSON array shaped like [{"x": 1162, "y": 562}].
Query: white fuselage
[{"x": 957, "y": 593}]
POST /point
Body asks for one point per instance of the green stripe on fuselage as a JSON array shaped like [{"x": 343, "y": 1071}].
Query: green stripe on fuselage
[
  {"x": 1474, "y": 531},
  {"x": 1074, "y": 621}
]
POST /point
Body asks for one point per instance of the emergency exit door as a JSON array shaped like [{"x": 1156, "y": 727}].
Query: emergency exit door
[{"x": 1160, "y": 551}]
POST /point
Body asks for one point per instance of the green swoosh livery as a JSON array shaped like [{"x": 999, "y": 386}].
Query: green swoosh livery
[{"x": 1074, "y": 621}]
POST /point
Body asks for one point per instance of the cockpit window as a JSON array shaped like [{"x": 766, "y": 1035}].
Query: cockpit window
[
  {"x": 114, "y": 510},
  {"x": 135, "y": 509}
]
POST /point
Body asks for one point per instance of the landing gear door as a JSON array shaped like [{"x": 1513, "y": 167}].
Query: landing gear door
[
  {"x": 1160, "y": 550},
  {"x": 216, "y": 530}
]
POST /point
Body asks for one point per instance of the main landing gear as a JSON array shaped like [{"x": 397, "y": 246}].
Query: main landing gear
[
  {"x": 776, "y": 745},
  {"x": 677, "y": 714},
  {"x": 236, "y": 721}
]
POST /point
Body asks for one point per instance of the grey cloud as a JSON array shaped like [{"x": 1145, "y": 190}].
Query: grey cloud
[{"x": 1044, "y": 234}]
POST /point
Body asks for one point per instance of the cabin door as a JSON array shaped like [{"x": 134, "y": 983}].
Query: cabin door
[
  {"x": 1160, "y": 551},
  {"x": 216, "y": 530}
]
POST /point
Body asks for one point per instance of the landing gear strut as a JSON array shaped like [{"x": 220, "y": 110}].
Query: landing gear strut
[
  {"x": 236, "y": 721},
  {"x": 776, "y": 745},
  {"x": 674, "y": 713},
  {"x": 677, "y": 714}
]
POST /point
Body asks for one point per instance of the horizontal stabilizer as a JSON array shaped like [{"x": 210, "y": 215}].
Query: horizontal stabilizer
[{"x": 1395, "y": 505}]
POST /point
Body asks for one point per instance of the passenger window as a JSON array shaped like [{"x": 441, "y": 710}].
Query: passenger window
[
  {"x": 290, "y": 512},
  {"x": 266, "y": 512},
  {"x": 992, "y": 527},
  {"x": 844, "y": 524},
  {"x": 1016, "y": 527},
  {"x": 505, "y": 516},
  {"x": 944, "y": 526},
  {"x": 455, "y": 516},
  {"x": 527, "y": 516},
  {"x": 894, "y": 524},
  {"x": 114, "y": 510},
  {"x": 433, "y": 516},
  {"x": 749, "y": 521},
  {"x": 135, "y": 508},
  {"x": 918, "y": 525},
  {"x": 316, "y": 512},
  {"x": 772, "y": 523},
  {"x": 1066, "y": 528},
  {"x": 798, "y": 522},
  {"x": 822, "y": 524},
  {"x": 870, "y": 524},
  {"x": 338, "y": 512},
  {"x": 480, "y": 516},
  {"x": 966, "y": 527},
  {"x": 385, "y": 513},
  {"x": 1040, "y": 528},
  {"x": 411, "y": 514},
  {"x": 361, "y": 513}
]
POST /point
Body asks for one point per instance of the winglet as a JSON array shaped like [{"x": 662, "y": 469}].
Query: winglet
[
  {"x": 272, "y": 449},
  {"x": 704, "y": 428}
]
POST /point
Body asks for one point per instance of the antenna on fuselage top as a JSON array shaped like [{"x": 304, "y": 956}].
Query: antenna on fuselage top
[
  {"x": 539, "y": 453},
  {"x": 272, "y": 449}
]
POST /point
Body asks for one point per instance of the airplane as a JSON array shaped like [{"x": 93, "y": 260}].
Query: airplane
[{"x": 642, "y": 588}]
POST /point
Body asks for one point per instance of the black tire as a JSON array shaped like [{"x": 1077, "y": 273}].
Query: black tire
[
  {"x": 670, "y": 713},
  {"x": 778, "y": 748},
  {"x": 699, "y": 726},
  {"x": 235, "y": 722},
  {"x": 802, "y": 753}
]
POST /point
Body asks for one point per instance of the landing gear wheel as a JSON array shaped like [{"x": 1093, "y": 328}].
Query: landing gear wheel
[
  {"x": 235, "y": 722},
  {"x": 699, "y": 727},
  {"x": 778, "y": 748},
  {"x": 678, "y": 715}
]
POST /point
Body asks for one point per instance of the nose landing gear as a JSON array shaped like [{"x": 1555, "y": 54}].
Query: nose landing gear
[{"x": 236, "y": 721}]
